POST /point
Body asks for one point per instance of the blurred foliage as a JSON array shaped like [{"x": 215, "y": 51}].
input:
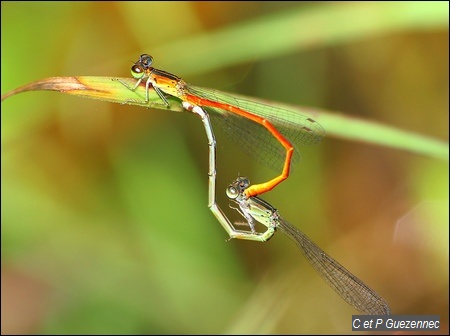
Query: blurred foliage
[{"x": 105, "y": 227}]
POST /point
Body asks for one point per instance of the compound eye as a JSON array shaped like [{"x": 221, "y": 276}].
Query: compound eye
[
  {"x": 232, "y": 192},
  {"x": 244, "y": 182},
  {"x": 146, "y": 60},
  {"x": 137, "y": 71}
]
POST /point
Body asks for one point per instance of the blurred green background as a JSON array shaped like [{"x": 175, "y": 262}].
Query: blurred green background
[{"x": 105, "y": 225}]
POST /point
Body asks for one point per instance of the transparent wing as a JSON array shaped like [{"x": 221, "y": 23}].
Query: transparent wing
[
  {"x": 254, "y": 139},
  {"x": 348, "y": 286}
]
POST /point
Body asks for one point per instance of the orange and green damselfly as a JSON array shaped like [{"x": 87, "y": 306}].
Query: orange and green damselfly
[
  {"x": 267, "y": 133},
  {"x": 355, "y": 292}
]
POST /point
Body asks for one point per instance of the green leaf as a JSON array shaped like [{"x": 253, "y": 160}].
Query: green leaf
[{"x": 111, "y": 89}]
